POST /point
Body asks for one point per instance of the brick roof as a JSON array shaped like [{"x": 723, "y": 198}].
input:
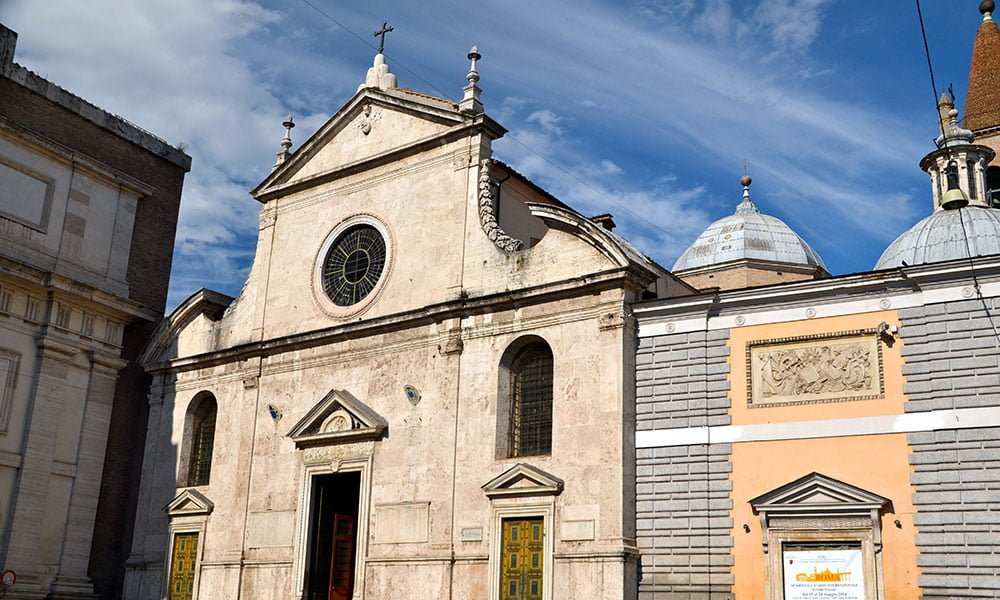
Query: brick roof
[{"x": 982, "y": 103}]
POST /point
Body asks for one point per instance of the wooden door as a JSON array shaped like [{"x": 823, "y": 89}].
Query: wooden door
[
  {"x": 342, "y": 558},
  {"x": 522, "y": 559},
  {"x": 182, "y": 563}
]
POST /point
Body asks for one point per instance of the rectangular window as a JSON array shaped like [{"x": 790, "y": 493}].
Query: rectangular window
[{"x": 182, "y": 564}]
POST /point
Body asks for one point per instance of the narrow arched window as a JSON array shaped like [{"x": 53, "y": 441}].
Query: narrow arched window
[
  {"x": 970, "y": 170},
  {"x": 531, "y": 401},
  {"x": 993, "y": 186},
  {"x": 202, "y": 419}
]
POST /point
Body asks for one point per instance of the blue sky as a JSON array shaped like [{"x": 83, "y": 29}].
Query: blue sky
[{"x": 642, "y": 108}]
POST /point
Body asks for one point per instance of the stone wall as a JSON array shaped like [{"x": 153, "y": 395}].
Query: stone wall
[
  {"x": 683, "y": 492},
  {"x": 952, "y": 359}
]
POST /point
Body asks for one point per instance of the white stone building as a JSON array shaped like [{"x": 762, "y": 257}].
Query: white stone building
[
  {"x": 425, "y": 388},
  {"x": 88, "y": 209}
]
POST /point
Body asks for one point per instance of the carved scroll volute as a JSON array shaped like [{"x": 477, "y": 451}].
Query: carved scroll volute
[{"x": 487, "y": 213}]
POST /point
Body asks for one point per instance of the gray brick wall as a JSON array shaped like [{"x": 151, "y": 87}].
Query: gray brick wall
[
  {"x": 951, "y": 355},
  {"x": 681, "y": 381},
  {"x": 683, "y": 505},
  {"x": 683, "y": 522},
  {"x": 956, "y": 477}
]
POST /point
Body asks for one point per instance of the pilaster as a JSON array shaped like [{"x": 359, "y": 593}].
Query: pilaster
[
  {"x": 23, "y": 540},
  {"x": 75, "y": 556}
]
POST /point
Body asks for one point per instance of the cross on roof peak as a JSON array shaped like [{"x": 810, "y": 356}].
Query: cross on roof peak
[{"x": 380, "y": 34}]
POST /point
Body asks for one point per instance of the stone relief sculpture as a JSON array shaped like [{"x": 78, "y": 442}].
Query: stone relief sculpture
[
  {"x": 825, "y": 370},
  {"x": 487, "y": 213}
]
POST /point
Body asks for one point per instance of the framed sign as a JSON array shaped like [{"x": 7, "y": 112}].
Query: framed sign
[{"x": 823, "y": 574}]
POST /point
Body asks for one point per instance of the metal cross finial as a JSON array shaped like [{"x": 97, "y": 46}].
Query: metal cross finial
[
  {"x": 746, "y": 167},
  {"x": 380, "y": 34}
]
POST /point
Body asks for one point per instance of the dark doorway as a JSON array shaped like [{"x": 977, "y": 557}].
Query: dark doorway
[{"x": 333, "y": 535}]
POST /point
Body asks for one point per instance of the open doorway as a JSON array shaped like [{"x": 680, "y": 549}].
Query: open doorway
[{"x": 333, "y": 536}]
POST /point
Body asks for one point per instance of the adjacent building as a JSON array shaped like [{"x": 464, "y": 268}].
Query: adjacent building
[
  {"x": 833, "y": 437},
  {"x": 88, "y": 210}
]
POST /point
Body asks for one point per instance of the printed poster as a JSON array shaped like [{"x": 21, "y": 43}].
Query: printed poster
[{"x": 823, "y": 575}]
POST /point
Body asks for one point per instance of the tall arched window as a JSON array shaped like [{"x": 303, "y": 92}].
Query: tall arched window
[
  {"x": 530, "y": 426},
  {"x": 993, "y": 186},
  {"x": 201, "y": 417}
]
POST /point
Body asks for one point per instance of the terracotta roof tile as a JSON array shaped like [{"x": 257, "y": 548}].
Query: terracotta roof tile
[{"x": 982, "y": 103}]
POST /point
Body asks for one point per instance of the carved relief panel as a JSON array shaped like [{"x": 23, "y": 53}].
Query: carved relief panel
[{"x": 835, "y": 367}]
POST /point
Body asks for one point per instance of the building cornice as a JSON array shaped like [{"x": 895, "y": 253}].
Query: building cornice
[
  {"x": 878, "y": 290},
  {"x": 587, "y": 285}
]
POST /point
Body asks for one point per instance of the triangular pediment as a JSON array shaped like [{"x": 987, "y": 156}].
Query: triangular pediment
[
  {"x": 817, "y": 492},
  {"x": 189, "y": 503},
  {"x": 523, "y": 480},
  {"x": 338, "y": 418},
  {"x": 374, "y": 126}
]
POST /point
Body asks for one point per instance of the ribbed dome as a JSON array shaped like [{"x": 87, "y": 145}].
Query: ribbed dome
[
  {"x": 941, "y": 237},
  {"x": 748, "y": 234}
]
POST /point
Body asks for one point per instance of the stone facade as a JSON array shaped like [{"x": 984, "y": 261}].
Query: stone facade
[
  {"x": 87, "y": 216},
  {"x": 401, "y": 399},
  {"x": 953, "y": 362}
]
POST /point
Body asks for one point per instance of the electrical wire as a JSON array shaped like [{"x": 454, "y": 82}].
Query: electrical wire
[
  {"x": 961, "y": 220},
  {"x": 510, "y": 136}
]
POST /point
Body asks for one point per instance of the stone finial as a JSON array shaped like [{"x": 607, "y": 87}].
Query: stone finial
[
  {"x": 746, "y": 205},
  {"x": 986, "y": 7},
  {"x": 378, "y": 75},
  {"x": 951, "y": 132},
  {"x": 470, "y": 100},
  {"x": 286, "y": 143}
]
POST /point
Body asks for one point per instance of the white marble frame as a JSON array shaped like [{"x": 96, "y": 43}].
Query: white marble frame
[
  {"x": 191, "y": 524},
  {"x": 42, "y": 225},
  {"x": 527, "y": 507},
  {"x": 310, "y": 469},
  {"x": 13, "y": 359},
  {"x": 320, "y": 297}
]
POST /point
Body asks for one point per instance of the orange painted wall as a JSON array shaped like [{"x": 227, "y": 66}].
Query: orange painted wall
[{"x": 877, "y": 463}]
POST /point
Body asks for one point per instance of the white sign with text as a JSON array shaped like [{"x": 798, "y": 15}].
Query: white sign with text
[{"x": 823, "y": 575}]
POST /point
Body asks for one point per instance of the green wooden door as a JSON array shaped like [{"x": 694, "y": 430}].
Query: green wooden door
[{"x": 522, "y": 559}]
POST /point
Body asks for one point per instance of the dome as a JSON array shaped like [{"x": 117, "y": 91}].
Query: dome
[
  {"x": 747, "y": 234},
  {"x": 942, "y": 236}
]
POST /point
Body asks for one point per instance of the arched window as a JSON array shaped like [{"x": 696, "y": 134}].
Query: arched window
[
  {"x": 529, "y": 394},
  {"x": 993, "y": 186},
  {"x": 201, "y": 417}
]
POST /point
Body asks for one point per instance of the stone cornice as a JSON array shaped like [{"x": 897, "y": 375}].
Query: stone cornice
[
  {"x": 901, "y": 280},
  {"x": 576, "y": 287},
  {"x": 105, "y": 173},
  {"x": 267, "y": 191},
  {"x": 42, "y": 282}
]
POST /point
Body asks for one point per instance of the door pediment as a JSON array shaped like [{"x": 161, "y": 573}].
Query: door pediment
[
  {"x": 189, "y": 503},
  {"x": 339, "y": 418},
  {"x": 817, "y": 492},
  {"x": 523, "y": 480}
]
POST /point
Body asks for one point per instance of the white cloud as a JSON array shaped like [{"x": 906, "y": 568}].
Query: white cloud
[{"x": 648, "y": 102}]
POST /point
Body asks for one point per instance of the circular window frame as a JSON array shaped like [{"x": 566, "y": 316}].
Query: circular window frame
[{"x": 325, "y": 303}]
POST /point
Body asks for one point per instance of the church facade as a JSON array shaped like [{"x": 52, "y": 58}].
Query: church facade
[{"x": 425, "y": 387}]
